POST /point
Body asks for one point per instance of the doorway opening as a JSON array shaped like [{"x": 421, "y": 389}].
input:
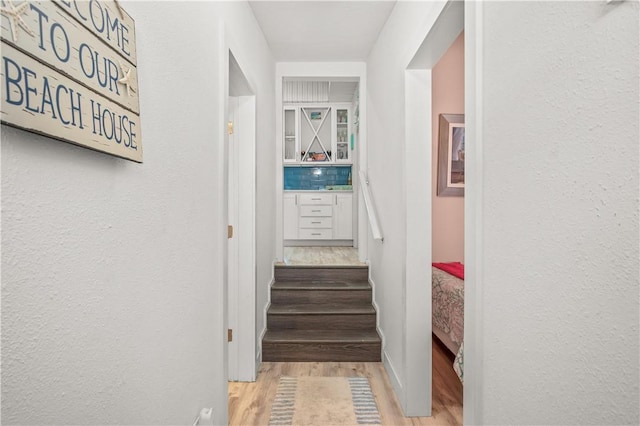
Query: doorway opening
[
  {"x": 417, "y": 398},
  {"x": 321, "y": 132},
  {"x": 447, "y": 203}
]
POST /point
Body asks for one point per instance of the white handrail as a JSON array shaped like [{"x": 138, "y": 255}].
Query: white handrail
[{"x": 371, "y": 210}]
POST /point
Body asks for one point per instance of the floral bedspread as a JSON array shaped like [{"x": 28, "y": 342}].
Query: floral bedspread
[{"x": 448, "y": 311}]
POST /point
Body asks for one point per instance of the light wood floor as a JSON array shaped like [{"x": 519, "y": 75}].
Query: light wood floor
[{"x": 250, "y": 403}]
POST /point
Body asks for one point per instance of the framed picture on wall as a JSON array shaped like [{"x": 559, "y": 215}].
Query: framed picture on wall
[{"x": 451, "y": 147}]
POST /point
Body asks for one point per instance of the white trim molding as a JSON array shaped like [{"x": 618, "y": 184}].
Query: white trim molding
[
  {"x": 417, "y": 187},
  {"x": 473, "y": 218}
]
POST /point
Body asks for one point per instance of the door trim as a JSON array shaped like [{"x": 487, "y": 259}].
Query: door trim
[
  {"x": 473, "y": 216},
  {"x": 416, "y": 400},
  {"x": 243, "y": 266},
  {"x": 416, "y": 394}
]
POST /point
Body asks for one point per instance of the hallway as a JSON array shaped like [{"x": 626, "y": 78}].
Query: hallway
[
  {"x": 250, "y": 403},
  {"x": 115, "y": 284}
]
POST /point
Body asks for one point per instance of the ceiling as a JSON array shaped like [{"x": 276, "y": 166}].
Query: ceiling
[{"x": 321, "y": 31}]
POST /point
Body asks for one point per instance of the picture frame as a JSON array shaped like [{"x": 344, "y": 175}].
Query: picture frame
[
  {"x": 315, "y": 115},
  {"x": 451, "y": 153}
]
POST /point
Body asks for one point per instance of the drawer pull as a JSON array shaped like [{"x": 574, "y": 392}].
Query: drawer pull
[
  {"x": 316, "y": 211},
  {"x": 315, "y": 233},
  {"x": 317, "y": 199},
  {"x": 316, "y": 222}
]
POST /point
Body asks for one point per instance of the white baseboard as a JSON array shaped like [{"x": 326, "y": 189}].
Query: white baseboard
[
  {"x": 259, "y": 357},
  {"x": 376, "y": 307},
  {"x": 396, "y": 383},
  {"x": 264, "y": 328},
  {"x": 395, "y": 380}
]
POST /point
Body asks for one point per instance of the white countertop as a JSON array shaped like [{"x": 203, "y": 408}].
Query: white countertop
[{"x": 319, "y": 190}]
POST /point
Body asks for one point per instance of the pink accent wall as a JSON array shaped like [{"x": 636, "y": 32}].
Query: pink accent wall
[{"x": 447, "y": 98}]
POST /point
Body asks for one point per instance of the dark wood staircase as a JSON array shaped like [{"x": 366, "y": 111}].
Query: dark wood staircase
[{"x": 321, "y": 313}]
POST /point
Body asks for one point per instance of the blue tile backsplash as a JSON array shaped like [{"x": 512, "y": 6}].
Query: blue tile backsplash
[{"x": 314, "y": 178}]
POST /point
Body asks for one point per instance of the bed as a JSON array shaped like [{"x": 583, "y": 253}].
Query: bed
[{"x": 447, "y": 299}]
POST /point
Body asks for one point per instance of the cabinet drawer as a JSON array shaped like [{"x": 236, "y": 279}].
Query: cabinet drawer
[
  {"x": 316, "y": 211},
  {"x": 315, "y": 234},
  {"x": 316, "y": 199},
  {"x": 316, "y": 222}
]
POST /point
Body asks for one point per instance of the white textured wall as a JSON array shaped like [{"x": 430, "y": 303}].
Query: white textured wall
[
  {"x": 398, "y": 42},
  {"x": 112, "y": 299},
  {"x": 560, "y": 207}
]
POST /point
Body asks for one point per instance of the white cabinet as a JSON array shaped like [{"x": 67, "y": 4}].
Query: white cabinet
[
  {"x": 318, "y": 216},
  {"x": 343, "y": 217},
  {"x": 290, "y": 143},
  {"x": 290, "y": 216},
  {"x": 316, "y": 199},
  {"x": 342, "y": 135},
  {"x": 318, "y": 133},
  {"x": 315, "y": 134}
]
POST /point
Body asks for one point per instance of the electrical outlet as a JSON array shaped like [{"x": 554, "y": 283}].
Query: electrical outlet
[{"x": 205, "y": 418}]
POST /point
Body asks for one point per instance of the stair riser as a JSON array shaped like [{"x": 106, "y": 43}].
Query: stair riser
[
  {"x": 321, "y": 322},
  {"x": 341, "y": 297},
  {"x": 321, "y": 352},
  {"x": 291, "y": 273}
]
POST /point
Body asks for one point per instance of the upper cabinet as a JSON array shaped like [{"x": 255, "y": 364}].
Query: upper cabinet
[
  {"x": 343, "y": 134},
  {"x": 317, "y": 133},
  {"x": 290, "y": 134}
]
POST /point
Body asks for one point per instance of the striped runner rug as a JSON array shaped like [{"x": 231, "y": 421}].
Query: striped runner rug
[{"x": 335, "y": 401}]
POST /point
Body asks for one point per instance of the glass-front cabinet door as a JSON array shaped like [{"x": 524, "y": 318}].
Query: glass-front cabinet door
[
  {"x": 342, "y": 135},
  {"x": 315, "y": 134},
  {"x": 290, "y": 129}
]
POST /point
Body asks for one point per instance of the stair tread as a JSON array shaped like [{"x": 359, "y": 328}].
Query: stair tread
[
  {"x": 317, "y": 309},
  {"x": 322, "y": 336},
  {"x": 338, "y": 285}
]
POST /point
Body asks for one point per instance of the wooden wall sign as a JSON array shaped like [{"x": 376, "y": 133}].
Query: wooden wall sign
[{"x": 69, "y": 71}]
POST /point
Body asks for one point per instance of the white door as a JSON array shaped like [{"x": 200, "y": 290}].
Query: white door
[
  {"x": 233, "y": 282},
  {"x": 241, "y": 246}
]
